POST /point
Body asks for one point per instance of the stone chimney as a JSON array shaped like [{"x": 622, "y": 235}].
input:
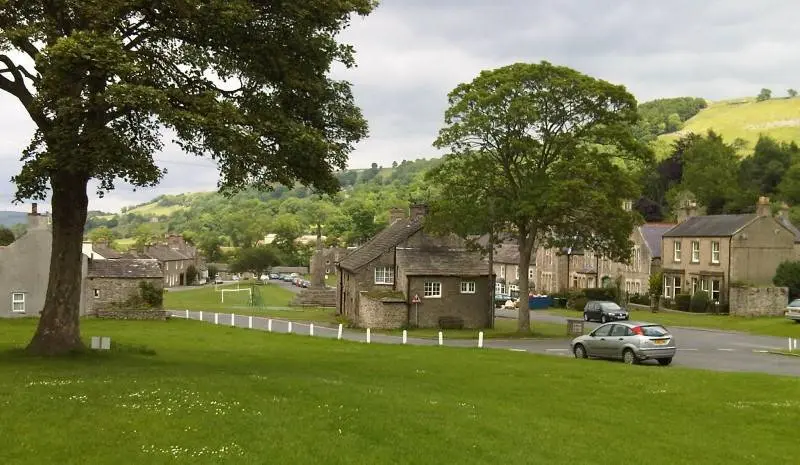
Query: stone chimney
[
  {"x": 395, "y": 214},
  {"x": 418, "y": 211},
  {"x": 688, "y": 210},
  {"x": 784, "y": 211},
  {"x": 176, "y": 241},
  {"x": 35, "y": 219},
  {"x": 763, "y": 207}
]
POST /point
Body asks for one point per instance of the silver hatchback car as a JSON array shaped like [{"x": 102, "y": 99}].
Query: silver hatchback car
[{"x": 630, "y": 341}]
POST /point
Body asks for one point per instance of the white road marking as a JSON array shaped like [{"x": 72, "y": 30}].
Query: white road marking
[
  {"x": 727, "y": 350},
  {"x": 694, "y": 350},
  {"x": 556, "y": 350},
  {"x": 517, "y": 350}
]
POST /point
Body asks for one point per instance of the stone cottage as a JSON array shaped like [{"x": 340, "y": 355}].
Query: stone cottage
[
  {"x": 404, "y": 277},
  {"x": 110, "y": 282}
]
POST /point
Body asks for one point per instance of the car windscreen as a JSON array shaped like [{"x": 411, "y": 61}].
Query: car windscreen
[
  {"x": 610, "y": 306},
  {"x": 654, "y": 331},
  {"x": 795, "y": 303}
]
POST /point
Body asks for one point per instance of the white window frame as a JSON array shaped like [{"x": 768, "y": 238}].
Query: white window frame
[
  {"x": 17, "y": 298},
  {"x": 676, "y": 285},
  {"x": 97, "y": 293},
  {"x": 695, "y": 251},
  {"x": 467, "y": 287},
  {"x": 384, "y": 275},
  {"x": 516, "y": 271},
  {"x": 668, "y": 287},
  {"x": 717, "y": 291},
  {"x": 695, "y": 283},
  {"x": 637, "y": 286},
  {"x": 715, "y": 253},
  {"x": 676, "y": 251},
  {"x": 503, "y": 271},
  {"x": 432, "y": 290},
  {"x": 531, "y": 273},
  {"x": 704, "y": 285}
]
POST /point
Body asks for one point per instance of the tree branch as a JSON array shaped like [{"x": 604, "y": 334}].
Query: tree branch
[{"x": 18, "y": 89}]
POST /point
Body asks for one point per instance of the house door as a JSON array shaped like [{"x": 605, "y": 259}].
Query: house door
[{"x": 182, "y": 279}]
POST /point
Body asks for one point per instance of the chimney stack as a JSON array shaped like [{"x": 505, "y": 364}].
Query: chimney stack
[
  {"x": 763, "y": 207},
  {"x": 34, "y": 209},
  {"x": 395, "y": 214},
  {"x": 418, "y": 211},
  {"x": 688, "y": 210},
  {"x": 784, "y": 211}
]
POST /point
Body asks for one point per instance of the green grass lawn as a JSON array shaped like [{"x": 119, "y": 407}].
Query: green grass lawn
[
  {"x": 770, "y": 326},
  {"x": 504, "y": 328},
  {"x": 186, "y": 392}
]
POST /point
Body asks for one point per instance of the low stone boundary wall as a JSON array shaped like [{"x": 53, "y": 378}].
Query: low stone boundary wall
[{"x": 131, "y": 314}]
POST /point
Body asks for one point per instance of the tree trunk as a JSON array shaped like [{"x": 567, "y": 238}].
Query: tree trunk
[
  {"x": 491, "y": 279},
  {"x": 524, "y": 316},
  {"x": 58, "y": 331}
]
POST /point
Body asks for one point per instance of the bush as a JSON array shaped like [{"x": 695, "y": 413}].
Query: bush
[
  {"x": 152, "y": 296},
  {"x": 700, "y": 302},
  {"x": 191, "y": 275},
  {"x": 788, "y": 275},
  {"x": 641, "y": 299},
  {"x": 577, "y": 303},
  {"x": 601, "y": 293},
  {"x": 682, "y": 302}
]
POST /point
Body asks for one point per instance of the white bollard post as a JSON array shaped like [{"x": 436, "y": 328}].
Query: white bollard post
[
  {"x": 794, "y": 343},
  {"x": 233, "y": 319},
  {"x": 339, "y": 334},
  {"x": 441, "y": 338},
  {"x": 250, "y": 322},
  {"x": 201, "y": 315},
  {"x": 480, "y": 339},
  {"x": 269, "y": 325},
  {"x": 368, "y": 336},
  {"x": 187, "y": 314},
  {"x": 216, "y": 318},
  {"x": 290, "y": 327},
  {"x": 405, "y": 336},
  {"x": 311, "y": 329}
]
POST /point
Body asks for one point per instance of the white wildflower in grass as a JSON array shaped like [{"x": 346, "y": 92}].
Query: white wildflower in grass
[
  {"x": 786, "y": 404},
  {"x": 181, "y": 401},
  {"x": 54, "y": 382},
  {"x": 174, "y": 451}
]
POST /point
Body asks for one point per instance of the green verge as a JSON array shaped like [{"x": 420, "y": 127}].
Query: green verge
[
  {"x": 504, "y": 328},
  {"x": 770, "y": 326},
  {"x": 185, "y": 392},
  {"x": 209, "y": 297}
]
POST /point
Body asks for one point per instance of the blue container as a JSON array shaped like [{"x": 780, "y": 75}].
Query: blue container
[{"x": 539, "y": 302}]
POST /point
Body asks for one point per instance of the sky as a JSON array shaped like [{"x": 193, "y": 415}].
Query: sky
[{"x": 411, "y": 53}]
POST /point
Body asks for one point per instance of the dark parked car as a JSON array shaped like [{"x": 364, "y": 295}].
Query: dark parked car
[{"x": 603, "y": 311}]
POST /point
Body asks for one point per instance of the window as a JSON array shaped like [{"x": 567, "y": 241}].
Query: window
[
  {"x": 636, "y": 257},
  {"x": 467, "y": 287},
  {"x": 715, "y": 252},
  {"x": 97, "y": 293},
  {"x": 575, "y": 282},
  {"x": 602, "y": 331},
  {"x": 637, "y": 287},
  {"x": 694, "y": 286},
  {"x": 677, "y": 285},
  {"x": 503, "y": 271},
  {"x": 715, "y": 284},
  {"x": 695, "y": 251},
  {"x": 516, "y": 272},
  {"x": 18, "y": 302},
  {"x": 531, "y": 272},
  {"x": 432, "y": 289},
  {"x": 668, "y": 287},
  {"x": 384, "y": 275},
  {"x": 676, "y": 251},
  {"x": 618, "y": 330},
  {"x": 704, "y": 285}
]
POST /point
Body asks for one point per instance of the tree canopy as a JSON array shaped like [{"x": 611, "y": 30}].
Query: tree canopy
[
  {"x": 557, "y": 142},
  {"x": 242, "y": 81}
]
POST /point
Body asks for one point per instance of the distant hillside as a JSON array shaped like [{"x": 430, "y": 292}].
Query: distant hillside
[
  {"x": 743, "y": 119},
  {"x": 9, "y": 219}
]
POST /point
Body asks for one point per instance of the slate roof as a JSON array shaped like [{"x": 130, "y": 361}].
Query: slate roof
[
  {"x": 710, "y": 226},
  {"x": 506, "y": 253},
  {"x": 441, "y": 262},
  {"x": 134, "y": 268},
  {"x": 391, "y": 236},
  {"x": 788, "y": 225},
  {"x": 164, "y": 253},
  {"x": 105, "y": 251},
  {"x": 652, "y": 233}
]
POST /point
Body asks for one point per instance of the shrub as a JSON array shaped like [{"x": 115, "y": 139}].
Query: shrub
[
  {"x": 601, "y": 293},
  {"x": 656, "y": 283},
  {"x": 788, "y": 275},
  {"x": 682, "y": 302},
  {"x": 641, "y": 299},
  {"x": 699, "y": 302},
  {"x": 577, "y": 303},
  {"x": 191, "y": 275},
  {"x": 151, "y": 295}
]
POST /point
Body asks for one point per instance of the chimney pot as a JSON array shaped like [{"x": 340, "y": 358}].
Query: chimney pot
[
  {"x": 763, "y": 207},
  {"x": 418, "y": 211},
  {"x": 34, "y": 208}
]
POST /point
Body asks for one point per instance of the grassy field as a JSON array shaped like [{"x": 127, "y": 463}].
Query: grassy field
[
  {"x": 770, "y": 326},
  {"x": 504, "y": 328},
  {"x": 185, "y": 392},
  {"x": 746, "y": 119},
  {"x": 153, "y": 209}
]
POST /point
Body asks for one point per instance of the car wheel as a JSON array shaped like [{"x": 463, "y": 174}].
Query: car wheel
[
  {"x": 629, "y": 357},
  {"x": 603, "y": 319},
  {"x": 579, "y": 351},
  {"x": 664, "y": 361},
  {"x": 585, "y": 316}
]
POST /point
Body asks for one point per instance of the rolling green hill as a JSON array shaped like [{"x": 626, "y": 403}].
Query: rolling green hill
[{"x": 744, "y": 119}]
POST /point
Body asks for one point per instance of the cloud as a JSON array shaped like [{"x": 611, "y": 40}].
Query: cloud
[{"x": 411, "y": 53}]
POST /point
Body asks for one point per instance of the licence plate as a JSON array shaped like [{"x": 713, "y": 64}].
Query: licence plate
[{"x": 660, "y": 341}]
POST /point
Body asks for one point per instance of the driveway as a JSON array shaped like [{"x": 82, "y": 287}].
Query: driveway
[
  {"x": 712, "y": 350},
  {"x": 704, "y": 348}
]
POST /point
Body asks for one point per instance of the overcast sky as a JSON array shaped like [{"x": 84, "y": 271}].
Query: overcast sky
[{"x": 411, "y": 53}]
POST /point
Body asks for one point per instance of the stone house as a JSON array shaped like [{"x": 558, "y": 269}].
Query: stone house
[
  {"x": 100, "y": 251},
  {"x": 25, "y": 269},
  {"x": 711, "y": 252},
  {"x": 404, "y": 277},
  {"x": 110, "y": 282},
  {"x": 173, "y": 263}
]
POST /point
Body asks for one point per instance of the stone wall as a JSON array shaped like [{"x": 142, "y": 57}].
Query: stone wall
[
  {"x": 472, "y": 308},
  {"x": 381, "y": 314},
  {"x": 104, "y": 293},
  {"x": 758, "y": 301},
  {"x": 131, "y": 314}
]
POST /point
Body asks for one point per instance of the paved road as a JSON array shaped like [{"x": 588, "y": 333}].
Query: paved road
[
  {"x": 713, "y": 350},
  {"x": 710, "y": 349}
]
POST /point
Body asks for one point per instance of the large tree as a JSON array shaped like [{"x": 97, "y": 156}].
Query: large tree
[
  {"x": 560, "y": 142},
  {"x": 711, "y": 172},
  {"x": 245, "y": 82},
  {"x": 6, "y": 236}
]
